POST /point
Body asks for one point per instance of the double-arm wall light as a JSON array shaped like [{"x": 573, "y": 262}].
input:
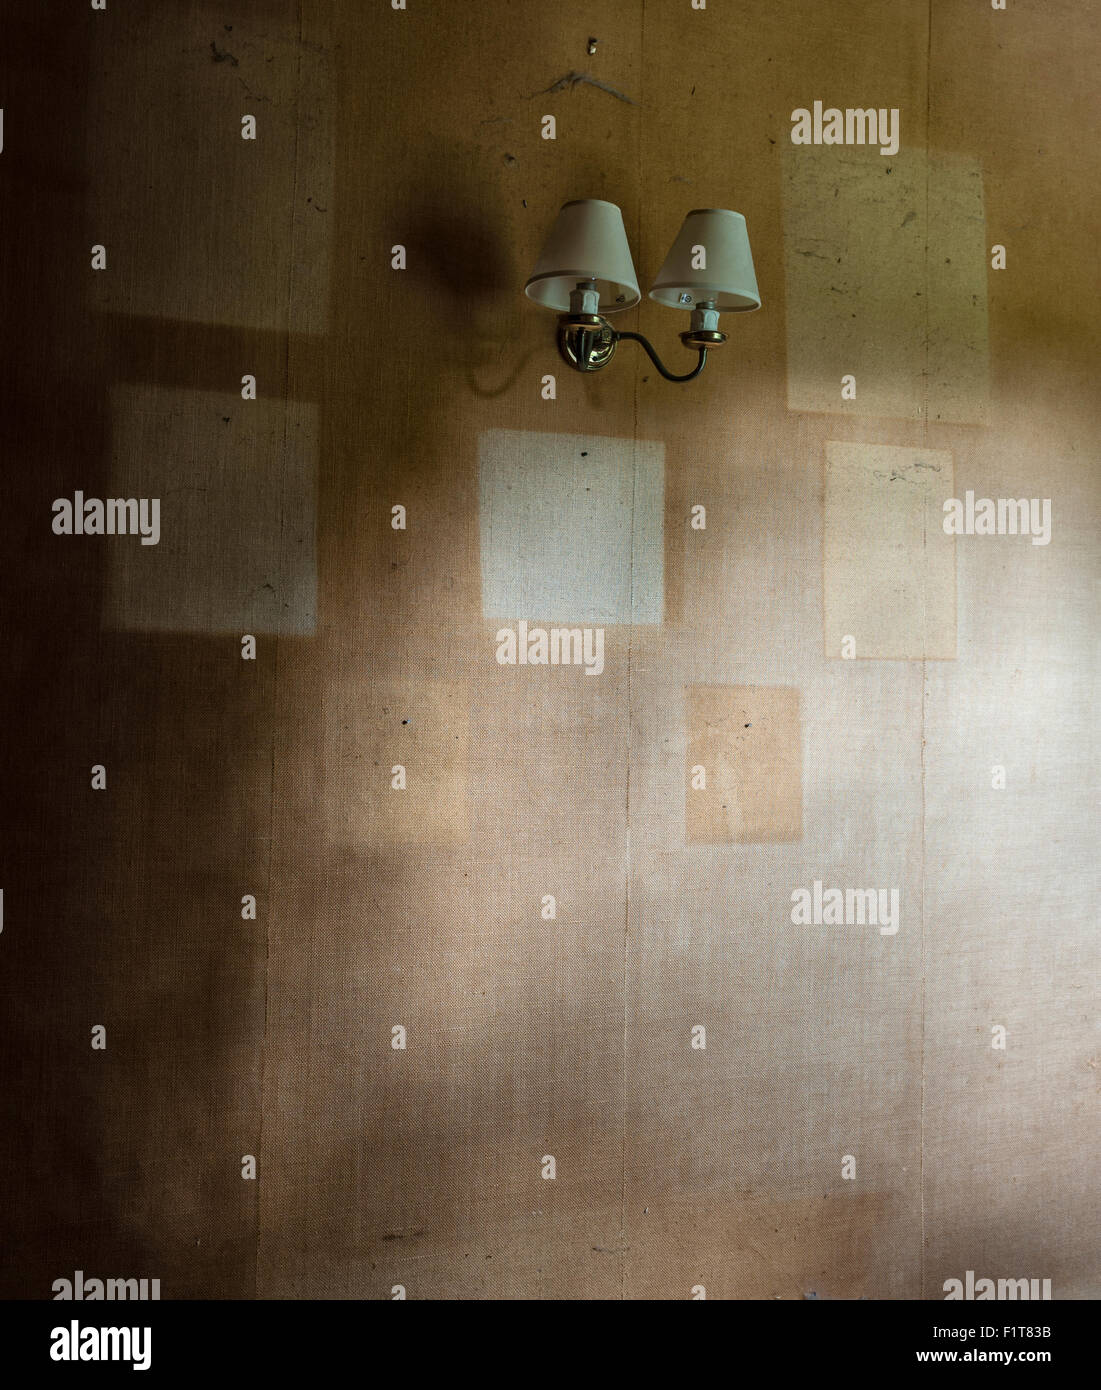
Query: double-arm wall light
[{"x": 585, "y": 271}]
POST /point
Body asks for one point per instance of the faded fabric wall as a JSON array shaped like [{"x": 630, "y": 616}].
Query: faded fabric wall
[{"x": 675, "y": 1166}]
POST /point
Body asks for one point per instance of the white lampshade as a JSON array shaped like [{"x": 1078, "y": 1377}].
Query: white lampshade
[
  {"x": 727, "y": 278},
  {"x": 587, "y": 242}
]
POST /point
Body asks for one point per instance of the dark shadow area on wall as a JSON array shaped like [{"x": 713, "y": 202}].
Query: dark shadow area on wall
[{"x": 122, "y": 905}]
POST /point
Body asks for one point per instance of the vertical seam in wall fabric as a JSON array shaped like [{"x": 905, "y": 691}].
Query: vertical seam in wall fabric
[
  {"x": 275, "y": 674},
  {"x": 267, "y": 988},
  {"x": 630, "y": 720},
  {"x": 924, "y": 639}
]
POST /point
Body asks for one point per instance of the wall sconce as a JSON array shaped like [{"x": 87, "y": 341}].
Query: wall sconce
[{"x": 585, "y": 271}]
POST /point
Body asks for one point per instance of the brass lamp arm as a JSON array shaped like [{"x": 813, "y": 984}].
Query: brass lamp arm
[
  {"x": 656, "y": 360},
  {"x": 587, "y": 341}
]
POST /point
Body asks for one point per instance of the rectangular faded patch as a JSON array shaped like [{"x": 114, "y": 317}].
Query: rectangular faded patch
[
  {"x": 571, "y": 527},
  {"x": 748, "y": 741},
  {"x": 232, "y": 200},
  {"x": 237, "y": 485},
  {"x": 886, "y": 270},
  {"x": 372, "y": 728},
  {"x": 888, "y": 569}
]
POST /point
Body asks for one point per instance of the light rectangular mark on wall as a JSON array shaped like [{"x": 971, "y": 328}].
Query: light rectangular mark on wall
[
  {"x": 886, "y": 272},
  {"x": 748, "y": 740},
  {"x": 888, "y": 569},
  {"x": 369, "y": 729},
  {"x": 237, "y": 485},
  {"x": 240, "y": 233},
  {"x": 571, "y": 527}
]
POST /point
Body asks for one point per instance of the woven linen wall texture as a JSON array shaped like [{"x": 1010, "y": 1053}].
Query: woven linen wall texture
[{"x": 810, "y": 694}]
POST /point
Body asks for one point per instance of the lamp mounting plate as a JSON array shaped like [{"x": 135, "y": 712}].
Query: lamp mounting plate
[{"x": 586, "y": 341}]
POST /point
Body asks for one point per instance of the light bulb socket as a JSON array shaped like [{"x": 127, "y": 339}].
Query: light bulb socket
[
  {"x": 703, "y": 330},
  {"x": 585, "y": 299}
]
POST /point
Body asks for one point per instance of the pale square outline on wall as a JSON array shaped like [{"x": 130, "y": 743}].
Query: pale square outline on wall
[
  {"x": 571, "y": 527},
  {"x": 888, "y": 569},
  {"x": 237, "y": 482},
  {"x": 886, "y": 275}
]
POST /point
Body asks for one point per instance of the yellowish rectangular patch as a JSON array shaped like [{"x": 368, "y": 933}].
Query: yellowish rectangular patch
[{"x": 747, "y": 739}]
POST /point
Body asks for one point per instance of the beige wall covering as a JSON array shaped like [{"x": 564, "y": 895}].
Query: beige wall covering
[{"x": 428, "y": 909}]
